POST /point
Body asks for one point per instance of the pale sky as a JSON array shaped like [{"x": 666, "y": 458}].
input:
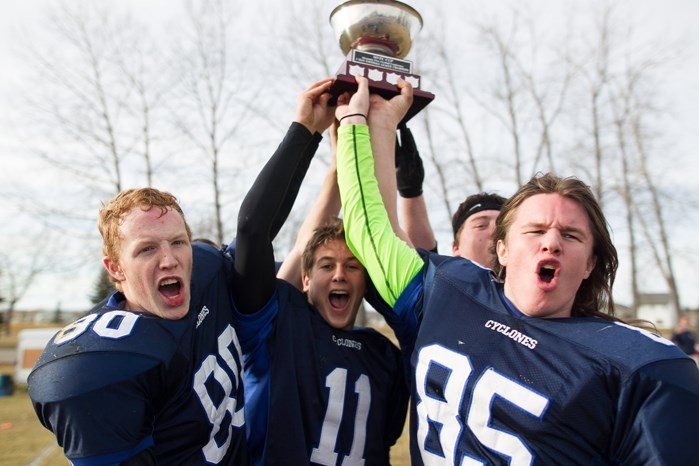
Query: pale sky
[{"x": 678, "y": 19}]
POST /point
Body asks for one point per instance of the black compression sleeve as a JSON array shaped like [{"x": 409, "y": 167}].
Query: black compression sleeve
[
  {"x": 295, "y": 184},
  {"x": 263, "y": 212}
]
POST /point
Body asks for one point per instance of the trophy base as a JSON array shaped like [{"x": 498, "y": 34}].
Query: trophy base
[{"x": 382, "y": 79}]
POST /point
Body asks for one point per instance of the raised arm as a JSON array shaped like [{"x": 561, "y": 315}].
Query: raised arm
[
  {"x": 391, "y": 262},
  {"x": 410, "y": 175},
  {"x": 383, "y": 149},
  {"x": 326, "y": 206},
  {"x": 267, "y": 204}
]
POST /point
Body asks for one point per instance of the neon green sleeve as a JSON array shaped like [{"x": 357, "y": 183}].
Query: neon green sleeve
[{"x": 390, "y": 262}]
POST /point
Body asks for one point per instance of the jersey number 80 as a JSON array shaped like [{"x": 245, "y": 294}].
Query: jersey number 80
[{"x": 120, "y": 324}]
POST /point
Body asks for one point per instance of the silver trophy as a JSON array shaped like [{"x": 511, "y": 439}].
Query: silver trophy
[{"x": 375, "y": 36}]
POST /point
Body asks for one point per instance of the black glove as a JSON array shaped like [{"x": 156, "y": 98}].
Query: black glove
[{"x": 409, "y": 170}]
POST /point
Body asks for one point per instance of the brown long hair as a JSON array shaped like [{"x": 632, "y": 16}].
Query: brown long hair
[{"x": 594, "y": 297}]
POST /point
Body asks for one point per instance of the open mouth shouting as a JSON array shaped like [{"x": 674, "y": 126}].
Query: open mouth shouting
[
  {"x": 548, "y": 272},
  {"x": 340, "y": 308},
  {"x": 339, "y": 299},
  {"x": 172, "y": 291}
]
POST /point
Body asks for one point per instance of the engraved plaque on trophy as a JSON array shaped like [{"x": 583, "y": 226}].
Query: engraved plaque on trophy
[{"x": 375, "y": 36}]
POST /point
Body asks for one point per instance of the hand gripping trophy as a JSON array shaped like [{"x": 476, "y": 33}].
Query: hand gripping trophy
[{"x": 376, "y": 35}]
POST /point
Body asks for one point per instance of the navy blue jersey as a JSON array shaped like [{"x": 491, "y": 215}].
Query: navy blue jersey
[
  {"x": 492, "y": 386},
  {"x": 116, "y": 382},
  {"x": 337, "y": 397}
]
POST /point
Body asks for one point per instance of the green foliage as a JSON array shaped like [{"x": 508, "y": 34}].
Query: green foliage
[
  {"x": 103, "y": 287},
  {"x": 57, "y": 315}
]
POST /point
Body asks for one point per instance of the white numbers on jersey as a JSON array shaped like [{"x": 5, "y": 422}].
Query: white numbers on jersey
[
  {"x": 213, "y": 452},
  {"x": 325, "y": 453},
  {"x": 112, "y": 324},
  {"x": 118, "y": 324},
  {"x": 440, "y": 410}
]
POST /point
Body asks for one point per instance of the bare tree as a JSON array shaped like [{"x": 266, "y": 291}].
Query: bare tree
[
  {"x": 593, "y": 63},
  {"x": 629, "y": 93},
  {"x": 526, "y": 107},
  {"x": 88, "y": 119},
  {"x": 150, "y": 83},
  {"x": 526, "y": 98},
  {"x": 212, "y": 102},
  {"x": 507, "y": 90},
  {"x": 549, "y": 96},
  {"x": 441, "y": 168},
  {"x": 642, "y": 111},
  {"x": 17, "y": 274},
  {"x": 452, "y": 107},
  {"x": 660, "y": 245},
  {"x": 311, "y": 49},
  {"x": 622, "y": 112},
  {"x": 531, "y": 92},
  {"x": 84, "y": 95}
]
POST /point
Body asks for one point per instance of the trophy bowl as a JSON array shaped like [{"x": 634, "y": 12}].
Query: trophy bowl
[{"x": 385, "y": 27}]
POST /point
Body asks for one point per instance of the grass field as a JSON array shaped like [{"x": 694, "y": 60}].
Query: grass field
[{"x": 24, "y": 440}]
